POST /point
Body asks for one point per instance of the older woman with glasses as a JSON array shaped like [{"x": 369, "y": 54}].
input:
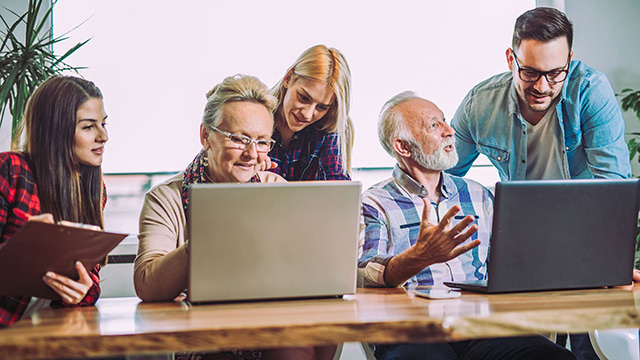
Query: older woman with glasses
[{"x": 236, "y": 137}]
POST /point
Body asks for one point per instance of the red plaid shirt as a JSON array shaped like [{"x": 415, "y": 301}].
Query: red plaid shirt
[
  {"x": 18, "y": 190},
  {"x": 312, "y": 154}
]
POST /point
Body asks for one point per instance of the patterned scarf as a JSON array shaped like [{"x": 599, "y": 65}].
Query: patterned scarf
[{"x": 195, "y": 174}]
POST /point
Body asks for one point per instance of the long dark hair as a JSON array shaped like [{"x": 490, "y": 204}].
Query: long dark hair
[{"x": 67, "y": 189}]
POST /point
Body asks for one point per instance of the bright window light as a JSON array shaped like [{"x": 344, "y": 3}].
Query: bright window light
[{"x": 155, "y": 60}]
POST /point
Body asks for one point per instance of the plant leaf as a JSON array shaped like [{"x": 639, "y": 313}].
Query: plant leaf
[{"x": 24, "y": 64}]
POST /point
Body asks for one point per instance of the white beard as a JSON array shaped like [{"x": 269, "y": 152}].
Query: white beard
[{"x": 438, "y": 161}]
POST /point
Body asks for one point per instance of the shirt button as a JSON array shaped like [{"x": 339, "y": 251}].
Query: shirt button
[
  {"x": 567, "y": 148},
  {"x": 499, "y": 158},
  {"x": 523, "y": 161}
]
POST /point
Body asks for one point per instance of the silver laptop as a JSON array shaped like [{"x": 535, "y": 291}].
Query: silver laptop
[
  {"x": 273, "y": 241},
  {"x": 564, "y": 234}
]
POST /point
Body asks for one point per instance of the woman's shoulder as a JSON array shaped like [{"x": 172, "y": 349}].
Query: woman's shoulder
[
  {"x": 170, "y": 187},
  {"x": 15, "y": 164},
  {"x": 13, "y": 157}
]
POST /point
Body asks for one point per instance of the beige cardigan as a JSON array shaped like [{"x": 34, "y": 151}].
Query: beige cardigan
[{"x": 160, "y": 270}]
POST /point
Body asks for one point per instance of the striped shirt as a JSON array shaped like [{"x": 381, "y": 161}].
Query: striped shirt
[{"x": 390, "y": 223}]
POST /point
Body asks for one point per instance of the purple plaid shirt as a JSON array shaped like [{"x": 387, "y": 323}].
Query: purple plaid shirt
[{"x": 312, "y": 154}]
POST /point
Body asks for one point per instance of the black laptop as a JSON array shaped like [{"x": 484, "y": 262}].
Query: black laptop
[{"x": 561, "y": 234}]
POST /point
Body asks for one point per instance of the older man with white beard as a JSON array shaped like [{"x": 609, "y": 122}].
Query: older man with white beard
[{"x": 423, "y": 227}]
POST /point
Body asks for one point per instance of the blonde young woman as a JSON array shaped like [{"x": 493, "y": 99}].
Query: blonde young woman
[
  {"x": 313, "y": 131},
  {"x": 236, "y": 136}
]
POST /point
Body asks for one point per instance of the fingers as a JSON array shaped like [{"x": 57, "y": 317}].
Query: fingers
[
  {"x": 463, "y": 224},
  {"x": 84, "y": 277},
  {"x": 446, "y": 219},
  {"x": 460, "y": 238},
  {"x": 273, "y": 165},
  {"x": 45, "y": 218},
  {"x": 267, "y": 164},
  {"x": 464, "y": 248},
  {"x": 71, "y": 292}
]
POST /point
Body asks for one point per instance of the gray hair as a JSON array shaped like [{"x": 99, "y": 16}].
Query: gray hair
[
  {"x": 236, "y": 88},
  {"x": 390, "y": 124}
]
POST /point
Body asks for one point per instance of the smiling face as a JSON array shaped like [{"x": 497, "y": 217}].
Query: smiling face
[
  {"x": 305, "y": 102},
  {"x": 535, "y": 98},
  {"x": 91, "y": 132},
  {"x": 226, "y": 162}
]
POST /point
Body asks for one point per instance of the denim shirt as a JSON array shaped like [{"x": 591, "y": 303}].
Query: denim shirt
[{"x": 488, "y": 122}]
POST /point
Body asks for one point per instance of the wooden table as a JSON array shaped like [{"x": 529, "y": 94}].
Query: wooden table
[{"x": 125, "y": 325}]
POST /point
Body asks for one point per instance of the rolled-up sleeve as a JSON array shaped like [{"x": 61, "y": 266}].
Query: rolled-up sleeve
[{"x": 374, "y": 239}]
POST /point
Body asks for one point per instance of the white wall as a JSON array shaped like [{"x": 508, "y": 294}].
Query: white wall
[
  {"x": 155, "y": 61},
  {"x": 607, "y": 37}
]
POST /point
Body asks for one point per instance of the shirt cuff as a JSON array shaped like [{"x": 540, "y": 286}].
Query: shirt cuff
[{"x": 371, "y": 275}]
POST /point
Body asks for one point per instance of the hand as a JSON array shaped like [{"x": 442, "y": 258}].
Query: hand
[
  {"x": 437, "y": 243},
  {"x": 45, "y": 218},
  {"x": 71, "y": 292},
  {"x": 636, "y": 275},
  {"x": 267, "y": 164}
]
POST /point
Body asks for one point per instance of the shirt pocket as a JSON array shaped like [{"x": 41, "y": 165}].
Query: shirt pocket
[
  {"x": 493, "y": 152},
  {"x": 408, "y": 231}
]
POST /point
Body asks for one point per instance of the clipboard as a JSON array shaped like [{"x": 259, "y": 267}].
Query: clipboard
[{"x": 40, "y": 247}]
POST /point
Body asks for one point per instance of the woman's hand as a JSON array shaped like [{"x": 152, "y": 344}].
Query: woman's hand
[
  {"x": 45, "y": 218},
  {"x": 267, "y": 164},
  {"x": 71, "y": 291}
]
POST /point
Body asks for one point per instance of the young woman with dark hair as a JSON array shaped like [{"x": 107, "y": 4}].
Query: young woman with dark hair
[{"x": 55, "y": 176}]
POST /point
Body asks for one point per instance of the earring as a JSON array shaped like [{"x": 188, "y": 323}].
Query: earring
[{"x": 205, "y": 160}]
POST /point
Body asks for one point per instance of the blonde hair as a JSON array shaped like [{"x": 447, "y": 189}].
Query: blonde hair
[
  {"x": 239, "y": 87},
  {"x": 329, "y": 66}
]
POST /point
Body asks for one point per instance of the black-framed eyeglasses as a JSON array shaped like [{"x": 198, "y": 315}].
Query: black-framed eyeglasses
[
  {"x": 531, "y": 75},
  {"x": 242, "y": 142}
]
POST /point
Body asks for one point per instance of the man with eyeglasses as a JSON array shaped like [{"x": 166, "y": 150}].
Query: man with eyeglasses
[{"x": 549, "y": 117}]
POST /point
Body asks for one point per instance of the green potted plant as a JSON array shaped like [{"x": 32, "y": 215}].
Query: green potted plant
[
  {"x": 630, "y": 101},
  {"x": 25, "y": 63}
]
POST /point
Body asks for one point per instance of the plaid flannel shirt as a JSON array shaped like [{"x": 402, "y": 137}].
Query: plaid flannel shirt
[
  {"x": 390, "y": 223},
  {"x": 312, "y": 154},
  {"x": 18, "y": 190}
]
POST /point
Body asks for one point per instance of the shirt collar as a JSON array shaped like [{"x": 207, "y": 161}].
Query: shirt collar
[
  {"x": 413, "y": 187},
  {"x": 513, "y": 105},
  {"x": 563, "y": 94}
]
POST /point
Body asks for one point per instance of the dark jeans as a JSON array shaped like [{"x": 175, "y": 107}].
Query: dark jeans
[
  {"x": 580, "y": 346},
  {"x": 511, "y": 348}
]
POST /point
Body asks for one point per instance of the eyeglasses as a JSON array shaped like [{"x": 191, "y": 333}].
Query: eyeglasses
[
  {"x": 243, "y": 142},
  {"x": 530, "y": 75}
]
